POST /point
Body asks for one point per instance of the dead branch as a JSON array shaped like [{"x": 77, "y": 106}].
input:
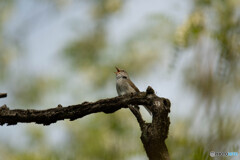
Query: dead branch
[
  {"x": 153, "y": 134},
  {"x": 3, "y": 95}
]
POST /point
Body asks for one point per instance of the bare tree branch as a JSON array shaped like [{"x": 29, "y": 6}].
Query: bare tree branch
[
  {"x": 153, "y": 134},
  {"x": 72, "y": 112}
]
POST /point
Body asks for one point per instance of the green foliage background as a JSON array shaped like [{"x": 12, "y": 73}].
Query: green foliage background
[{"x": 210, "y": 35}]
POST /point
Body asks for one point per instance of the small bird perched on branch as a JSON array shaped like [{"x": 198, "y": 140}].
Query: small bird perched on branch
[{"x": 125, "y": 86}]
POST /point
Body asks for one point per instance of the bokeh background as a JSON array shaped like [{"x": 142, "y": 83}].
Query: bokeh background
[{"x": 64, "y": 52}]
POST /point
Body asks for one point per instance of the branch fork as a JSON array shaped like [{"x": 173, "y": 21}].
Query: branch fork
[{"x": 153, "y": 134}]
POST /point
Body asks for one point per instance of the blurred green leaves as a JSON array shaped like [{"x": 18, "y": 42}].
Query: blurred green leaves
[
  {"x": 211, "y": 32},
  {"x": 217, "y": 23},
  {"x": 105, "y": 137},
  {"x": 34, "y": 89},
  {"x": 213, "y": 73},
  {"x": 5, "y": 49},
  {"x": 95, "y": 54},
  {"x": 189, "y": 33},
  {"x": 105, "y": 8},
  {"x": 86, "y": 51}
]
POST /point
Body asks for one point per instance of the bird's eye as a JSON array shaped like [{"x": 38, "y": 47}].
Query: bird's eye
[{"x": 124, "y": 77}]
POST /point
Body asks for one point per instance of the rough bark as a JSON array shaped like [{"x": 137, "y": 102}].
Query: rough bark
[{"x": 153, "y": 134}]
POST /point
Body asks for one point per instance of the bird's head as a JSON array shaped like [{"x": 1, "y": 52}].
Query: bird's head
[{"x": 121, "y": 74}]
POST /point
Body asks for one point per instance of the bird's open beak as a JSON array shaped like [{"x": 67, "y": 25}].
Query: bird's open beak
[{"x": 118, "y": 70}]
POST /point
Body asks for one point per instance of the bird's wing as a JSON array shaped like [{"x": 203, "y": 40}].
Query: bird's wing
[
  {"x": 137, "y": 90},
  {"x": 133, "y": 86},
  {"x": 118, "y": 89}
]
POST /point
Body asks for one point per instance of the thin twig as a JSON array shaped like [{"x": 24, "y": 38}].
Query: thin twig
[
  {"x": 138, "y": 116},
  {"x": 3, "y": 95}
]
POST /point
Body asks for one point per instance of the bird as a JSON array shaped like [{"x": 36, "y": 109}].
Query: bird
[{"x": 125, "y": 86}]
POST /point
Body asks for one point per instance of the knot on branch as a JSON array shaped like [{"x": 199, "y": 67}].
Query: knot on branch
[
  {"x": 167, "y": 104},
  {"x": 150, "y": 90},
  {"x": 4, "y": 108},
  {"x": 59, "y": 106}
]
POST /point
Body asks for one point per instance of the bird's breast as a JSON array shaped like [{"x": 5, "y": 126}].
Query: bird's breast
[{"x": 123, "y": 87}]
